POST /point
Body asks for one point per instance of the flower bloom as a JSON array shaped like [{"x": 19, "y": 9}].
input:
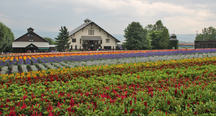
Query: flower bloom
[{"x": 131, "y": 110}]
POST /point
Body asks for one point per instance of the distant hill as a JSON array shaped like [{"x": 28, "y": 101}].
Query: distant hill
[
  {"x": 120, "y": 37},
  {"x": 180, "y": 37},
  {"x": 186, "y": 37}
]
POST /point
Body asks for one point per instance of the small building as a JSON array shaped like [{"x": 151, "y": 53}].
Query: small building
[
  {"x": 30, "y": 42},
  {"x": 205, "y": 44},
  {"x": 90, "y": 36}
]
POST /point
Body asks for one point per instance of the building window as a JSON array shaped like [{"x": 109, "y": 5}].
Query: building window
[
  {"x": 74, "y": 40},
  {"x": 90, "y": 32},
  {"x": 75, "y": 47},
  {"x": 107, "y": 40},
  {"x": 30, "y": 35}
]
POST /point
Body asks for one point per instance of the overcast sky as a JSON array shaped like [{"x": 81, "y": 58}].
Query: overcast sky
[{"x": 47, "y": 16}]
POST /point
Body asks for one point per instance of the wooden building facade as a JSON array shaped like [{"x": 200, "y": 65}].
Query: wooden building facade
[{"x": 31, "y": 42}]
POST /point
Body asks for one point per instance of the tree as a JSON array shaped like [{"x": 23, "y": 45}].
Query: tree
[
  {"x": 149, "y": 28},
  {"x": 6, "y": 38},
  {"x": 164, "y": 41},
  {"x": 158, "y": 26},
  {"x": 155, "y": 38},
  {"x": 207, "y": 34},
  {"x": 135, "y": 37},
  {"x": 51, "y": 42},
  {"x": 62, "y": 40},
  {"x": 159, "y": 35}
]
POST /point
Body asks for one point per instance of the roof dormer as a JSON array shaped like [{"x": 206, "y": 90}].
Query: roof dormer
[
  {"x": 87, "y": 20},
  {"x": 30, "y": 29}
]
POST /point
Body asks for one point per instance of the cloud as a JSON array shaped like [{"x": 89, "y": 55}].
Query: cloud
[
  {"x": 1, "y": 15},
  {"x": 113, "y": 15}
]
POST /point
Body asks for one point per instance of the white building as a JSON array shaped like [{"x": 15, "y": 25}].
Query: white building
[{"x": 91, "y": 36}]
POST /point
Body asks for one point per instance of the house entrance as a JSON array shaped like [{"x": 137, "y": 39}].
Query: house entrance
[{"x": 31, "y": 48}]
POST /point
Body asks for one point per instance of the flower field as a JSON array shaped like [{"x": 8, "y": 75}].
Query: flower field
[
  {"x": 157, "y": 82},
  {"x": 18, "y": 63}
]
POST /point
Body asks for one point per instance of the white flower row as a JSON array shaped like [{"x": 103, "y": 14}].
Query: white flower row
[
  {"x": 58, "y": 65},
  {"x": 42, "y": 66},
  {"x": 65, "y": 64},
  {"x": 138, "y": 59},
  {"x": 50, "y": 66},
  {"x": 4, "y": 70},
  {"x": 34, "y": 68},
  {"x": 24, "y": 68},
  {"x": 14, "y": 69}
]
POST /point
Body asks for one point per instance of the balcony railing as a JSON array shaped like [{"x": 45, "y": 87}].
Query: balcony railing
[{"x": 91, "y": 45}]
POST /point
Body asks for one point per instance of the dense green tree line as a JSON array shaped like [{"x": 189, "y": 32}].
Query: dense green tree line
[
  {"x": 6, "y": 38},
  {"x": 151, "y": 37},
  {"x": 207, "y": 34}
]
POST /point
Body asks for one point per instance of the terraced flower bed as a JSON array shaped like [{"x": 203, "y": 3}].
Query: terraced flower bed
[{"x": 176, "y": 87}]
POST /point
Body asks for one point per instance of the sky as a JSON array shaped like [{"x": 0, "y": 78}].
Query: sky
[{"x": 47, "y": 16}]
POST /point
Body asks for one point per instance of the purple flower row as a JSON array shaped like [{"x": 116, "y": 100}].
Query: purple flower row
[
  {"x": 98, "y": 57},
  {"x": 124, "y": 55}
]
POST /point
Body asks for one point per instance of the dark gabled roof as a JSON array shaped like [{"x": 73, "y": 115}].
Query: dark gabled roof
[
  {"x": 86, "y": 24},
  {"x": 33, "y": 33},
  {"x": 173, "y": 37}
]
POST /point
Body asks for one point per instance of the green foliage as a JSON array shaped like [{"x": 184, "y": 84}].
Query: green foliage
[
  {"x": 160, "y": 39},
  {"x": 51, "y": 42},
  {"x": 164, "y": 42},
  {"x": 158, "y": 34},
  {"x": 173, "y": 44},
  {"x": 158, "y": 26},
  {"x": 136, "y": 37},
  {"x": 155, "y": 37},
  {"x": 207, "y": 34},
  {"x": 149, "y": 28},
  {"x": 62, "y": 40},
  {"x": 6, "y": 38}
]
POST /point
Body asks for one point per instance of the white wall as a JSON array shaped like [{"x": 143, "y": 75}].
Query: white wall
[{"x": 97, "y": 32}]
